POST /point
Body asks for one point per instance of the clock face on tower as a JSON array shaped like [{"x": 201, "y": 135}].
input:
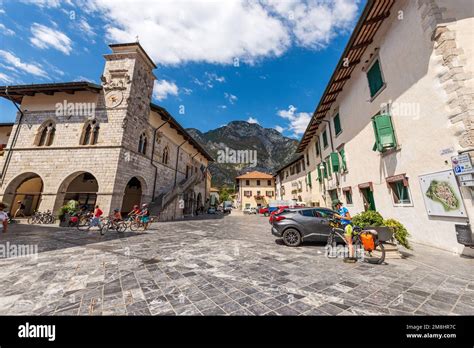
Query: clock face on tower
[{"x": 113, "y": 98}]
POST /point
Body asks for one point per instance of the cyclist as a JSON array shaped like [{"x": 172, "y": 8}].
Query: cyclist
[
  {"x": 97, "y": 214},
  {"x": 345, "y": 219},
  {"x": 115, "y": 218},
  {"x": 134, "y": 213},
  {"x": 145, "y": 216}
]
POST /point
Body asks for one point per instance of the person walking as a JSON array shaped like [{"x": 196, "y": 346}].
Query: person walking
[{"x": 20, "y": 210}]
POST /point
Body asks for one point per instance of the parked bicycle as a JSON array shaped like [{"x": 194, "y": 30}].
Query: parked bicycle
[
  {"x": 42, "y": 218},
  {"x": 365, "y": 242}
]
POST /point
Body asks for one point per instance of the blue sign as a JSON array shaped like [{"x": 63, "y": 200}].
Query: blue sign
[{"x": 458, "y": 169}]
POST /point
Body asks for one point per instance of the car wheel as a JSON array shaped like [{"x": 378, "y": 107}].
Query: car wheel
[
  {"x": 266, "y": 214},
  {"x": 292, "y": 237}
]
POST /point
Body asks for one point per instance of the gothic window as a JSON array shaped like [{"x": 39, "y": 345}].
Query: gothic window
[
  {"x": 90, "y": 134},
  {"x": 165, "y": 155},
  {"x": 46, "y": 134},
  {"x": 142, "y": 144}
]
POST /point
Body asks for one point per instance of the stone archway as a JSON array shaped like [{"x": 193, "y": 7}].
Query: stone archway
[
  {"x": 78, "y": 186},
  {"x": 26, "y": 188},
  {"x": 133, "y": 194}
]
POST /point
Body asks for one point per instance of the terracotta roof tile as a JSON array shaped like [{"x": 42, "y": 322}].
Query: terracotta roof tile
[{"x": 255, "y": 175}]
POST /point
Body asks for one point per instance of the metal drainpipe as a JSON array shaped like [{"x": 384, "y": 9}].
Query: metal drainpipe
[
  {"x": 152, "y": 156},
  {"x": 15, "y": 137},
  {"x": 177, "y": 158}
]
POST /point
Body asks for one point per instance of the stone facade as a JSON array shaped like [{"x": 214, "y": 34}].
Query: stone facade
[{"x": 131, "y": 135}]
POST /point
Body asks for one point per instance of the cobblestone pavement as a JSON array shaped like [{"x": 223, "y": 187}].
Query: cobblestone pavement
[{"x": 226, "y": 266}]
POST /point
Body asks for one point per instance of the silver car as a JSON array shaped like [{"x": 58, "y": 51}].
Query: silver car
[{"x": 298, "y": 225}]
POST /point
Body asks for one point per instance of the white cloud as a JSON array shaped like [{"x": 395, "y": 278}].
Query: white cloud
[
  {"x": 298, "y": 120},
  {"x": 86, "y": 28},
  {"x": 211, "y": 78},
  {"x": 230, "y": 97},
  {"x": 163, "y": 88},
  {"x": 187, "y": 91},
  {"x": 34, "y": 69},
  {"x": 5, "y": 78},
  {"x": 279, "y": 129},
  {"x": 45, "y": 37},
  {"x": 2, "y": 11},
  {"x": 6, "y": 31},
  {"x": 222, "y": 106},
  {"x": 48, "y": 3},
  {"x": 316, "y": 22},
  {"x": 216, "y": 31},
  {"x": 252, "y": 120},
  {"x": 212, "y": 31}
]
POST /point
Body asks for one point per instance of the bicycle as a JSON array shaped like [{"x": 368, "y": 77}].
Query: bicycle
[
  {"x": 363, "y": 241},
  {"x": 136, "y": 223},
  {"x": 42, "y": 218},
  {"x": 108, "y": 223}
]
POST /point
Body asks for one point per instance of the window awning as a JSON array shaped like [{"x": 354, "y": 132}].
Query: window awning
[
  {"x": 365, "y": 185},
  {"x": 395, "y": 178}
]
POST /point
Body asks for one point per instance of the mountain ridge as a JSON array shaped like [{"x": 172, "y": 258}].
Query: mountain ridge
[{"x": 263, "y": 149}]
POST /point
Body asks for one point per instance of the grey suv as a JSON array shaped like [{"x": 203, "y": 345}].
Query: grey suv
[{"x": 297, "y": 225}]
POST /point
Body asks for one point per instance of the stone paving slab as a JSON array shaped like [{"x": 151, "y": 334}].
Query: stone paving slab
[{"x": 229, "y": 266}]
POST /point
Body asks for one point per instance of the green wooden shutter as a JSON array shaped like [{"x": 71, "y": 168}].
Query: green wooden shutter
[
  {"x": 334, "y": 161},
  {"x": 343, "y": 160},
  {"x": 384, "y": 133},
  {"x": 337, "y": 124},
  {"x": 328, "y": 166},
  {"x": 309, "y": 179},
  {"x": 325, "y": 139},
  {"x": 320, "y": 177},
  {"x": 374, "y": 75},
  {"x": 325, "y": 169}
]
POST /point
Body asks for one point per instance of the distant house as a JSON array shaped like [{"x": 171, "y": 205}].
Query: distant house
[
  {"x": 254, "y": 189},
  {"x": 214, "y": 196}
]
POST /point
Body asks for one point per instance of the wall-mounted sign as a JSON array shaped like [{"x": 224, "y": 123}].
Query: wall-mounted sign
[
  {"x": 181, "y": 204},
  {"x": 441, "y": 194},
  {"x": 462, "y": 164},
  {"x": 446, "y": 151}
]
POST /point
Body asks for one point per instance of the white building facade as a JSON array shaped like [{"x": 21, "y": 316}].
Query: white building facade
[{"x": 399, "y": 106}]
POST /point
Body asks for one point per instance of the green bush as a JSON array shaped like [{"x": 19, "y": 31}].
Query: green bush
[
  {"x": 399, "y": 232},
  {"x": 69, "y": 208},
  {"x": 368, "y": 218}
]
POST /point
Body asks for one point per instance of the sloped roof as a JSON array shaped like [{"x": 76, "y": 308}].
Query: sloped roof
[
  {"x": 375, "y": 12},
  {"x": 255, "y": 175}
]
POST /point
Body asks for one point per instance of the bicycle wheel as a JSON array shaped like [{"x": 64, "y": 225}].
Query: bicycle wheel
[
  {"x": 376, "y": 256},
  {"x": 84, "y": 224},
  {"x": 134, "y": 226},
  {"x": 31, "y": 220},
  {"x": 331, "y": 246},
  {"x": 104, "y": 228},
  {"x": 121, "y": 227}
]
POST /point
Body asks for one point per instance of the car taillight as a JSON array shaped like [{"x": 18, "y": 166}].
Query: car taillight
[{"x": 279, "y": 218}]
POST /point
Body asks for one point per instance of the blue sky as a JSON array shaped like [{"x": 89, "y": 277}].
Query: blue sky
[{"x": 264, "y": 61}]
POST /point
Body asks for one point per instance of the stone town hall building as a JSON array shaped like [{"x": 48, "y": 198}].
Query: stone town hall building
[{"x": 102, "y": 144}]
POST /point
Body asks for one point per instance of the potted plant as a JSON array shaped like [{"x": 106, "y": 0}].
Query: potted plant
[
  {"x": 389, "y": 230},
  {"x": 66, "y": 211}
]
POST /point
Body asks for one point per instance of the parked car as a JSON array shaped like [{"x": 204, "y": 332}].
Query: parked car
[
  {"x": 264, "y": 211},
  {"x": 297, "y": 225},
  {"x": 211, "y": 210},
  {"x": 250, "y": 211},
  {"x": 227, "y": 207}
]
